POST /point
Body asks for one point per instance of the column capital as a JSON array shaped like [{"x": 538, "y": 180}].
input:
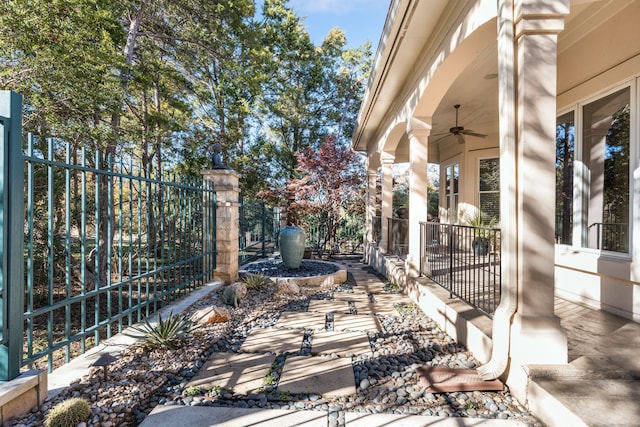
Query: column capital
[
  {"x": 419, "y": 127},
  {"x": 558, "y": 8},
  {"x": 532, "y": 17},
  {"x": 387, "y": 158}
]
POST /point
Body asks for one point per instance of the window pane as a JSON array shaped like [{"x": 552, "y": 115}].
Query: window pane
[
  {"x": 489, "y": 175},
  {"x": 489, "y": 186},
  {"x": 565, "y": 145},
  {"x": 490, "y": 205},
  {"x": 452, "y": 176},
  {"x": 606, "y": 156},
  {"x": 433, "y": 191}
]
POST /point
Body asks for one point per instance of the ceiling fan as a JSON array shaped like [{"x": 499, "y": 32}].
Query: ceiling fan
[{"x": 459, "y": 131}]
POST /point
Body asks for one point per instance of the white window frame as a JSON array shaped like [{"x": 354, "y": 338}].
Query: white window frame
[
  {"x": 490, "y": 155},
  {"x": 450, "y": 217},
  {"x": 580, "y": 172}
]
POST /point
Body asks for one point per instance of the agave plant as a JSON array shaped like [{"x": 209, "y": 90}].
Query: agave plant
[
  {"x": 165, "y": 333},
  {"x": 256, "y": 281}
]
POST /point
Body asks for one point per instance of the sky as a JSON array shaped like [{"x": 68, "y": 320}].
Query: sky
[{"x": 361, "y": 20}]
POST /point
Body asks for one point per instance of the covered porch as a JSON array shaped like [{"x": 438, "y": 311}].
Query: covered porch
[{"x": 482, "y": 89}]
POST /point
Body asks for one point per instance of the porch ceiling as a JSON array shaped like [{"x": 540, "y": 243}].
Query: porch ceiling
[{"x": 476, "y": 89}]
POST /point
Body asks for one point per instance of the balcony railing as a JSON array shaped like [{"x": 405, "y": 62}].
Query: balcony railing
[
  {"x": 464, "y": 260},
  {"x": 377, "y": 229},
  {"x": 611, "y": 236}
]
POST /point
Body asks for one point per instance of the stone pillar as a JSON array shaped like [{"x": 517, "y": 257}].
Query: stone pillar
[
  {"x": 527, "y": 214},
  {"x": 387, "y": 199},
  {"x": 371, "y": 205},
  {"x": 418, "y": 132},
  {"x": 225, "y": 183}
]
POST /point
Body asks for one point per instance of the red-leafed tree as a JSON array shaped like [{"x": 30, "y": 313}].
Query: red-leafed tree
[{"x": 331, "y": 186}]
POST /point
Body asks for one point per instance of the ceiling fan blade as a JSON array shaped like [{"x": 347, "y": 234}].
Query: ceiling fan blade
[{"x": 471, "y": 133}]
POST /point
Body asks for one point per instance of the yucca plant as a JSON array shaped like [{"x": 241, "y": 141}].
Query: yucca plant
[
  {"x": 256, "y": 281},
  {"x": 165, "y": 333}
]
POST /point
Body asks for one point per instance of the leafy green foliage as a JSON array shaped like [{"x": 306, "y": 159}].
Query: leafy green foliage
[
  {"x": 193, "y": 390},
  {"x": 167, "y": 332},
  {"x": 270, "y": 379}
]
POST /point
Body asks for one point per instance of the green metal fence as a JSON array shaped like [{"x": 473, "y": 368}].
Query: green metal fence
[
  {"x": 89, "y": 244},
  {"x": 259, "y": 228},
  {"x": 348, "y": 238},
  {"x": 11, "y": 235},
  {"x": 107, "y": 243}
]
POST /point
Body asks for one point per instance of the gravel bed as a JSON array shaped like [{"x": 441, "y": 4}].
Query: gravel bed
[
  {"x": 277, "y": 269},
  {"x": 386, "y": 382}
]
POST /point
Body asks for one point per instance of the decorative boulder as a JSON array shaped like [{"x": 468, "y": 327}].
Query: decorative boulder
[
  {"x": 209, "y": 315},
  {"x": 239, "y": 288},
  {"x": 234, "y": 293},
  {"x": 284, "y": 287}
]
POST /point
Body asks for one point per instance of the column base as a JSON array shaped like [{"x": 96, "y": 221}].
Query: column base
[
  {"x": 412, "y": 266},
  {"x": 538, "y": 340}
]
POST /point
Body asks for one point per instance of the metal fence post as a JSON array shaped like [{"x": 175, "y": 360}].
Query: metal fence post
[
  {"x": 11, "y": 234},
  {"x": 264, "y": 234}
]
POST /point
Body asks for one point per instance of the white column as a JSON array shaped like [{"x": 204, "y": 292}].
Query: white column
[
  {"x": 525, "y": 328},
  {"x": 372, "y": 176},
  {"x": 418, "y": 132},
  {"x": 371, "y": 208},
  {"x": 387, "y": 198}
]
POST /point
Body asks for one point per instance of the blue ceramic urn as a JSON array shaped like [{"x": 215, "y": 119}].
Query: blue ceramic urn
[{"x": 291, "y": 241}]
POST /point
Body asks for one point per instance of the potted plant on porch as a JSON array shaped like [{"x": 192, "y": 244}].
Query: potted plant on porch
[{"x": 482, "y": 225}]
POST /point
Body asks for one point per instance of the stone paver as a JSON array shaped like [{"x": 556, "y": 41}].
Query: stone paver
[
  {"x": 351, "y": 297},
  {"x": 273, "y": 340},
  {"x": 302, "y": 320},
  {"x": 376, "y": 308},
  {"x": 345, "y": 344},
  {"x": 329, "y": 306},
  {"x": 371, "y": 287},
  {"x": 392, "y": 299},
  {"x": 201, "y": 416},
  {"x": 320, "y": 375},
  {"x": 354, "y": 419},
  {"x": 356, "y": 322},
  {"x": 384, "y": 304},
  {"x": 242, "y": 373}
]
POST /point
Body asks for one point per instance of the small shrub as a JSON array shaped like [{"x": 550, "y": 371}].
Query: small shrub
[
  {"x": 270, "y": 379},
  {"x": 256, "y": 281},
  {"x": 216, "y": 389},
  {"x": 405, "y": 308},
  {"x": 284, "y": 395},
  {"x": 166, "y": 333},
  {"x": 68, "y": 413},
  {"x": 192, "y": 391}
]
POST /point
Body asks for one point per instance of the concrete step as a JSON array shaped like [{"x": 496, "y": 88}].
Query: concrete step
[
  {"x": 200, "y": 416},
  {"x": 583, "y": 401}
]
